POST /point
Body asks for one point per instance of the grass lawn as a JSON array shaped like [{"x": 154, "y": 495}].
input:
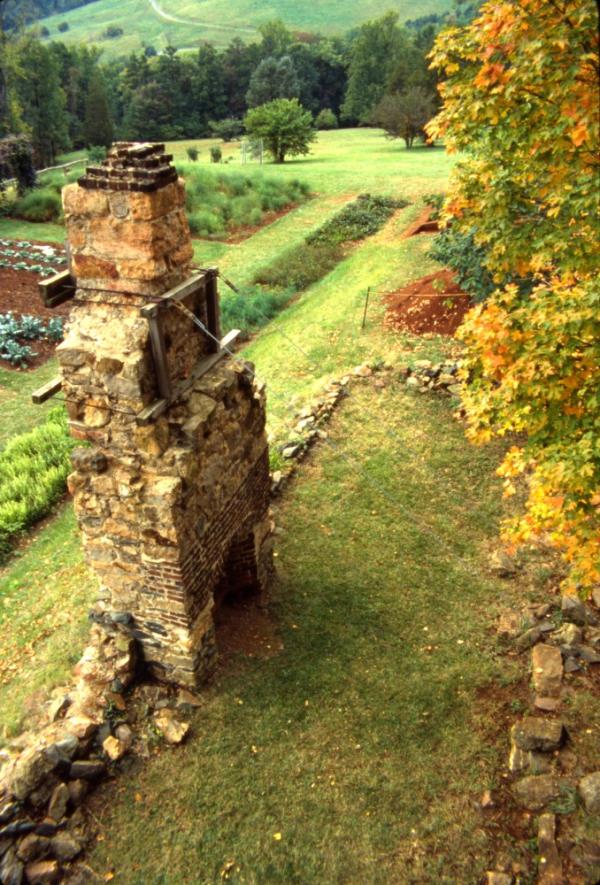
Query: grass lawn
[
  {"x": 19, "y": 414},
  {"x": 357, "y": 754},
  {"x": 18, "y": 229},
  {"x": 186, "y": 23},
  {"x": 45, "y": 594}
]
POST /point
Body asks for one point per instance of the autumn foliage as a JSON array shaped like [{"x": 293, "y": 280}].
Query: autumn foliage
[{"x": 521, "y": 105}]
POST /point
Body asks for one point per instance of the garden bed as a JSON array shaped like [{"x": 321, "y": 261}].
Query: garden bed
[
  {"x": 19, "y": 293},
  {"x": 434, "y": 304}
]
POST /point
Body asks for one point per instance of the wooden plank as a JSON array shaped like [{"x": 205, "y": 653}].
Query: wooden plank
[
  {"x": 159, "y": 353},
  {"x": 152, "y": 412},
  {"x": 43, "y": 393},
  {"x": 182, "y": 291},
  {"x": 57, "y": 289},
  {"x": 212, "y": 307}
]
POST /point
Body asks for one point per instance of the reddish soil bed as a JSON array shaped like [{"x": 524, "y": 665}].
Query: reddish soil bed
[
  {"x": 244, "y": 627},
  {"x": 422, "y": 225},
  {"x": 421, "y": 308}
]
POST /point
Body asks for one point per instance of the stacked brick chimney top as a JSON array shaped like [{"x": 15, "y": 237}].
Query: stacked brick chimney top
[{"x": 131, "y": 166}]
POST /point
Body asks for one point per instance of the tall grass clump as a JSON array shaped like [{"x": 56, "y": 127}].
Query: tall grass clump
[
  {"x": 221, "y": 202},
  {"x": 251, "y": 309},
  {"x": 318, "y": 254},
  {"x": 40, "y": 204},
  {"x": 33, "y": 470}
]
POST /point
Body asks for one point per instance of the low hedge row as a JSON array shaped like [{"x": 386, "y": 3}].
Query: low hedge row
[
  {"x": 33, "y": 471},
  {"x": 318, "y": 254}
]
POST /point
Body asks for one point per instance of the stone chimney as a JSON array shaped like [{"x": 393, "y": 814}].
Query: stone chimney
[{"x": 172, "y": 495}]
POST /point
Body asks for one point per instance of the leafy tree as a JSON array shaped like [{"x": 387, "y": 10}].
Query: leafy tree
[
  {"x": 520, "y": 103},
  {"x": 404, "y": 115},
  {"x": 16, "y": 159},
  {"x": 284, "y": 125},
  {"x": 374, "y": 56},
  {"x": 273, "y": 78},
  {"x": 228, "y": 129},
  {"x": 98, "y": 127},
  {"x": 148, "y": 117},
  {"x": 326, "y": 119},
  {"x": 276, "y": 39},
  {"x": 39, "y": 93},
  {"x": 207, "y": 91}
]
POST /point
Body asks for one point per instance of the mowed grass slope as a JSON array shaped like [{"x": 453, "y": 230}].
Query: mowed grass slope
[
  {"x": 188, "y": 23},
  {"x": 359, "y": 752}
]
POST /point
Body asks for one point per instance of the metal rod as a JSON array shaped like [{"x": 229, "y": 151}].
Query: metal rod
[{"x": 364, "y": 319}]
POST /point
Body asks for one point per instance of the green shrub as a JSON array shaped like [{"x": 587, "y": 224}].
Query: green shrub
[
  {"x": 41, "y": 204},
  {"x": 96, "y": 154},
  {"x": 33, "y": 470},
  {"x": 300, "y": 267},
  {"x": 460, "y": 253},
  {"x": 192, "y": 153},
  {"x": 435, "y": 201},
  {"x": 219, "y": 201},
  {"x": 251, "y": 309},
  {"x": 216, "y": 154},
  {"x": 326, "y": 119}
]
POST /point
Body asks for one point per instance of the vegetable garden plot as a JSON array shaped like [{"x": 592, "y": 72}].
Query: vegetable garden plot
[{"x": 28, "y": 330}]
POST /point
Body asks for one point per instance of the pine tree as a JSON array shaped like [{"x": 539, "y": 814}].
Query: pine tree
[{"x": 98, "y": 127}]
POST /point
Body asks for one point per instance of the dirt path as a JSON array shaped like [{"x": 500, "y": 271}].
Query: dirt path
[{"x": 166, "y": 16}]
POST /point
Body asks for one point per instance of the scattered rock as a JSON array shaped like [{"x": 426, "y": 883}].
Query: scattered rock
[
  {"x": 573, "y": 610},
  {"x": 550, "y": 866},
  {"x": 540, "y": 611},
  {"x": 534, "y": 733},
  {"x": 536, "y": 791},
  {"x": 42, "y": 872},
  {"x": 58, "y": 802},
  {"x": 65, "y": 847},
  {"x": 78, "y": 790},
  {"x": 32, "y": 847},
  {"x": 571, "y": 665},
  {"x": 547, "y": 667},
  {"x": 503, "y": 565},
  {"x": 81, "y": 874},
  {"x": 495, "y": 878},
  {"x": 87, "y": 769},
  {"x": 124, "y": 734},
  {"x": 291, "y": 451},
  {"x": 528, "y": 639},
  {"x": 596, "y": 596},
  {"x": 186, "y": 698},
  {"x": 589, "y": 654},
  {"x": 568, "y": 638},
  {"x": 548, "y": 705},
  {"x": 173, "y": 729},
  {"x": 58, "y": 707},
  {"x": 589, "y": 790},
  {"x": 11, "y": 868},
  {"x": 487, "y": 800},
  {"x": 520, "y": 761},
  {"x": 114, "y": 748}
]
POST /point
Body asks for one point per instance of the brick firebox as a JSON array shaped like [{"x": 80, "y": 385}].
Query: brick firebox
[{"x": 172, "y": 495}]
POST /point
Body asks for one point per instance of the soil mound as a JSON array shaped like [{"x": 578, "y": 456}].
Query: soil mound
[{"x": 434, "y": 304}]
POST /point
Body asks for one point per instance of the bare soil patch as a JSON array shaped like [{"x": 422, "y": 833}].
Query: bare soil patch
[
  {"x": 421, "y": 307},
  {"x": 422, "y": 225},
  {"x": 245, "y": 627}
]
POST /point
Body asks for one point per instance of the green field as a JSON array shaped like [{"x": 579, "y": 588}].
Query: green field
[
  {"x": 188, "y": 23},
  {"x": 358, "y": 753}
]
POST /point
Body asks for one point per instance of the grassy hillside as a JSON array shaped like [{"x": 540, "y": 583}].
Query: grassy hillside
[{"x": 187, "y": 23}]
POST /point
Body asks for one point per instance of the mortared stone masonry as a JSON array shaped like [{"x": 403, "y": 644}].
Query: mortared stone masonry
[{"x": 174, "y": 510}]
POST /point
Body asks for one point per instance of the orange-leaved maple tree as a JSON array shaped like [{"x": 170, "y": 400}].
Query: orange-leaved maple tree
[{"x": 521, "y": 104}]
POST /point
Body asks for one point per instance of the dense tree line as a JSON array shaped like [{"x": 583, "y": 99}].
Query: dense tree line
[{"x": 65, "y": 97}]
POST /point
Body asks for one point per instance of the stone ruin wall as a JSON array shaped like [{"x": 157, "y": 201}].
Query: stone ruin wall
[{"x": 173, "y": 512}]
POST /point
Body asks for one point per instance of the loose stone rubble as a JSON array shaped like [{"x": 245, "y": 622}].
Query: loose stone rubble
[
  {"x": 543, "y": 768},
  {"x": 42, "y": 787}
]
